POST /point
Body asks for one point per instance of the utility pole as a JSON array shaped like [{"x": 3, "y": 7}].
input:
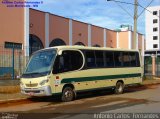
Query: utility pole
[
  {"x": 135, "y": 20},
  {"x": 135, "y": 24}
]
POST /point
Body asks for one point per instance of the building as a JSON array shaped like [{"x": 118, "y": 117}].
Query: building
[
  {"x": 152, "y": 52},
  {"x": 153, "y": 28},
  {"x": 33, "y": 28},
  {"x": 30, "y": 30},
  {"x": 124, "y": 28}
]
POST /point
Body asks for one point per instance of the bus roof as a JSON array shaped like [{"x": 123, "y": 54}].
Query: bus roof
[{"x": 88, "y": 48}]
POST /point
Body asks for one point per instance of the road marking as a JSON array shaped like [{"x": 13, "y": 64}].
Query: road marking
[
  {"x": 64, "y": 104},
  {"x": 60, "y": 117},
  {"x": 108, "y": 104}
]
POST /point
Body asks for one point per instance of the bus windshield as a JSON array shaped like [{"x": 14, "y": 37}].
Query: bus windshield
[{"x": 40, "y": 63}]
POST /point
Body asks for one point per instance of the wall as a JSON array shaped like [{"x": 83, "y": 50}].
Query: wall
[
  {"x": 58, "y": 28},
  {"x": 140, "y": 41},
  {"x": 111, "y": 38},
  {"x": 37, "y": 24},
  {"x": 11, "y": 24},
  {"x": 80, "y": 32},
  {"x": 96, "y": 36},
  {"x": 123, "y": 40}
]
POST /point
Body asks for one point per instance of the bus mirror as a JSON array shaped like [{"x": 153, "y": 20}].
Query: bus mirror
[{"x": 60, "y": 52}]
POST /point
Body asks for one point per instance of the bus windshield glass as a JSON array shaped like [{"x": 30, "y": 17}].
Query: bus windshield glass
[{"x": 40, "y": 63}]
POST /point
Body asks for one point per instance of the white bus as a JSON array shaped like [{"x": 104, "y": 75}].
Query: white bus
[{"x": 66, "y": 70}]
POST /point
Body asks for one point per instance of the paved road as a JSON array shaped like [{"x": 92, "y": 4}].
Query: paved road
[{"x": 134, "y": 100}]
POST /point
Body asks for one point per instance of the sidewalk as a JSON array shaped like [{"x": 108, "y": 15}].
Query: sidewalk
[
  {"x": 9, "y": 97},
  {"x": 151, "y": 81},
  {"x": 12, "y": 97},
  {"x": 10, "y": 93}
]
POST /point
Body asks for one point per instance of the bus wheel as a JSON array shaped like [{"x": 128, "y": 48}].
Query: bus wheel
[
  {"x": 67, "y": 94},
  {"x": 119, "y": 88}
]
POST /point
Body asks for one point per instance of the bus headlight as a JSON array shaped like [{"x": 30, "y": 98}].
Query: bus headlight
[{"x": 43, "y": 82}]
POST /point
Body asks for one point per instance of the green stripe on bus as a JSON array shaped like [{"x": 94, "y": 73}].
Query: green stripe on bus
[{"x": 83, "y": 79}]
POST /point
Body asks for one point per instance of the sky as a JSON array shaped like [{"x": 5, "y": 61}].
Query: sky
[{"x": 103, "y": 13}]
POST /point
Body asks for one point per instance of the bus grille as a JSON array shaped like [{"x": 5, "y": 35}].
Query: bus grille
[{"x": 32, "y": 85}]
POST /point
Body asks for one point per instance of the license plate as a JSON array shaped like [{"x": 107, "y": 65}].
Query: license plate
[{"x": 31, "y": 93}]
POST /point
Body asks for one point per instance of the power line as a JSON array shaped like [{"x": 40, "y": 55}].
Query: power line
[
  {"x": 134, "y": 18},
  {"x": 145, "y": 7},
  {"x": 148, "y": 10},
  {"x": 124, "y": 10},
  {"x": 122, "y": 2}
]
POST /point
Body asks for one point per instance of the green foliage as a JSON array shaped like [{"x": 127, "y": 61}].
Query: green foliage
[{"x": 148, "y": 60}]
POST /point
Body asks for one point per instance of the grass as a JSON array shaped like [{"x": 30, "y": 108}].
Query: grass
[{"x": 9, "y": 89}]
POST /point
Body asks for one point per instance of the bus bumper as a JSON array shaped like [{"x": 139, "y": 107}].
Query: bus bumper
[{"x": 43, "y": 91}]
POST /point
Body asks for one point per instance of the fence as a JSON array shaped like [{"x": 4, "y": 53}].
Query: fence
[
  {"x": 148, "y": 65},
  {"x": 13, "y": 61}
]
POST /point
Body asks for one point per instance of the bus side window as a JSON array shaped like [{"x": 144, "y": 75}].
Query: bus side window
[
  {"x": 58, "y": 65},
  {"x": 133, "y": 59},
  {"x": 118, "y": 59},
  {"x": 137, "y": 60},
  {"x": 126, "y": 59},
  {"x": 109, "y": 59},
  {"x": 99, "y": 58},
  {"x": 68, "y": 61},
  {"x": 90, "y": 59}
]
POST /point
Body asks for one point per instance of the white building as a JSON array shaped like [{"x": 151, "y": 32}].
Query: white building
[{"x": 153, "y": 28}]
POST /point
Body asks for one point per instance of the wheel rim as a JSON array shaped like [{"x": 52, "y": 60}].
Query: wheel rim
[
  {"x": 120, "y": 88},
  {"x": 68, "y": 94}
]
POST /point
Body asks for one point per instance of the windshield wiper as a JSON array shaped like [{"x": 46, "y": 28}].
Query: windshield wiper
[{"x": 36, "y": 74}]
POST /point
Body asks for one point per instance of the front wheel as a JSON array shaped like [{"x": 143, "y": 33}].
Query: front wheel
[
  {"x": 68, "y": 94},
  {"x": 119, "y": 88}
]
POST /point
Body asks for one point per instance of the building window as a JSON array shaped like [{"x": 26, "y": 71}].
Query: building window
[
  {"x": 155, "y": 21},
  {"x": 13, "y": 45},
  {"x": 57, "y": 42},
  {"x": 35, "y": 43},
  {"x": 155, "y": 45},
  {"x": 96, "y": 45},
  {"x": 79, "y": 43},
  {"x": 155, "y": 29},
  {"x": 155, "y": 37},
  {"x": 154, "y": 12}
]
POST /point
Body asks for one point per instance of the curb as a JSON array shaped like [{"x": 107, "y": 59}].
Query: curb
[{"x": 12, "y": 100}]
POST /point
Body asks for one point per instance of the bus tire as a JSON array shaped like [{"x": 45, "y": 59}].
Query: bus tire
[
  {"x": 68, "y": 94},
  {"x": 119, "y": 88}
]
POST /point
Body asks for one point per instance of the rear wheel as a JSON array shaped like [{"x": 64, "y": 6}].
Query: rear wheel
[
  {"x": 119, "y": 88},
  {"x": 68, "y": 94}
]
